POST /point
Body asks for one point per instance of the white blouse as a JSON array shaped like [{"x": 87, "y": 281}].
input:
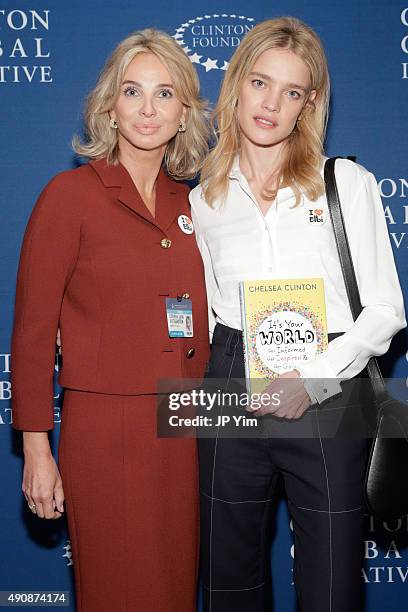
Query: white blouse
[{"x": 237, "y": 242}]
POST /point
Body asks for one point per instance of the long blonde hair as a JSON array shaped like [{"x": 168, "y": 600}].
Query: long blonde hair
[
  {"x": 186, "y": 152},
  {"x": 301, "y": 168}
]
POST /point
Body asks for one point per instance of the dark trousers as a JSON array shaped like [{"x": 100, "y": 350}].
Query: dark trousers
[{"x": 323, "y": 479}]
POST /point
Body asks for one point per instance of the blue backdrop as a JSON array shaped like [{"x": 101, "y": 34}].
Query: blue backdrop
[{"x": 50, "y": 54}]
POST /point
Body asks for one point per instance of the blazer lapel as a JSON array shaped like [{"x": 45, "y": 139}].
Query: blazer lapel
[
  {"x": 167, "y": 200},
  {"x": 130, "y": 197}
]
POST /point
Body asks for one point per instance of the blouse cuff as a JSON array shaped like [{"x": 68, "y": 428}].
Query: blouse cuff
[{"x": 319, "y": 380}]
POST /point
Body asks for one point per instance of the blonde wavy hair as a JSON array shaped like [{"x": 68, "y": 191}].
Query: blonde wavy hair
[
  {"x": 186, "y": 152},
  {"x": 301, "y": 167}
]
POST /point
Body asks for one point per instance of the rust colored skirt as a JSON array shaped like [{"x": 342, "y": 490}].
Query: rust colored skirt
[{"x": 132, "y": 506}]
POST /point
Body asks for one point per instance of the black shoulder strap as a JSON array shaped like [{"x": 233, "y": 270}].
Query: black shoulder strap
[{"x": 346, "y": 262}]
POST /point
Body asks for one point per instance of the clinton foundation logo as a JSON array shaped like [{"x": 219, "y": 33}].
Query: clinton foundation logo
[
  {"x": 68, "y": 553},
  {"x": 210, "y": 40}
]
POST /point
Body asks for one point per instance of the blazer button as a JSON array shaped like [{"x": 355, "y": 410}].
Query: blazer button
[
  {"x": 185, "y": 296},
  {"x": 165, "y": 243},
  {"x": 190, "y": 353}
]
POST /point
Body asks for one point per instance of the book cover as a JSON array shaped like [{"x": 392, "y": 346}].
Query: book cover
[{"x": 284, "y": 325}]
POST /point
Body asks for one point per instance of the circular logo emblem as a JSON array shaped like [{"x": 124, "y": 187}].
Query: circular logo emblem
[
  {"x": 185, "y": 224},
  {"x": 284, "y": 339},
  {"x": 210, "y": 40},
  {"x": 68, "y": 553}
]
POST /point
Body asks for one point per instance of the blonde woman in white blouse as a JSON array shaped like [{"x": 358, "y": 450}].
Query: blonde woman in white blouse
[{"x": 251, "y": 216}]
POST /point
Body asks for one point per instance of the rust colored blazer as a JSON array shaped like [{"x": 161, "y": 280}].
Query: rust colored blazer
[{"x": 96, "y": 263}]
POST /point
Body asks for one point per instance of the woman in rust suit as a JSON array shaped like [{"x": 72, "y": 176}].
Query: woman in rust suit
[{"x": 104, "y": 247}]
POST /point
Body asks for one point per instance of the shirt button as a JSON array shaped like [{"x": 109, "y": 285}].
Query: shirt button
[
  {"x": 165, "y": 243},
  {"x": 190, "y": 353},
  {"x": 185, "y": 296}
]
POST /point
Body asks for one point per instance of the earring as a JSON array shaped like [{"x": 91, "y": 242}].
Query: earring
[
  {"x": 113, "y": 123},
  {"x": 182, "y": 126},
  {"x": 299, "y": 119}
]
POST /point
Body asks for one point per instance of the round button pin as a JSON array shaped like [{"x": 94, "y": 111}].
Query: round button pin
[{"x": 185, "y": 224}]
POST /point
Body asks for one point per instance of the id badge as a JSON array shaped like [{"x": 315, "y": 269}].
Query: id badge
[{"x": 179, "y": 317}]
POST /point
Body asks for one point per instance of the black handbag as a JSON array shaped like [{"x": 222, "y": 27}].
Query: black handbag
[{"x": 386, "y": 481}]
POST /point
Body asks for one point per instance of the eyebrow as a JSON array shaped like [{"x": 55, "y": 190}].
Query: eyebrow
[
  {"x": 140, "y": 85},
  {"x": 266, "y": 77}
]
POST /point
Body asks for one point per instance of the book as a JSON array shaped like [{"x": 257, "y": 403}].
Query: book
[{"x": 284, "y": 325}]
